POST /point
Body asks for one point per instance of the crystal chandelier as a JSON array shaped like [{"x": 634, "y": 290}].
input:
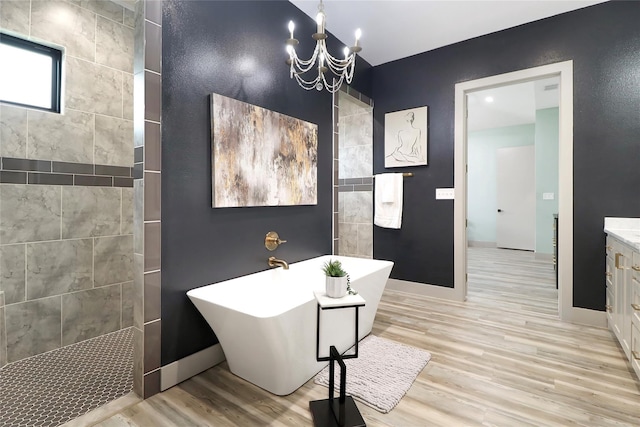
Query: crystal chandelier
[{"x": 321, "y": 61}]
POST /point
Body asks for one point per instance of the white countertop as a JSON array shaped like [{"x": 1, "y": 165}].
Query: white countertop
[{"x": 627, "y": 230}]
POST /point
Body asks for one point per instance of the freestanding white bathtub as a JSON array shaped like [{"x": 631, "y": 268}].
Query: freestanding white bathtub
[{"x": 266, "y": 321}]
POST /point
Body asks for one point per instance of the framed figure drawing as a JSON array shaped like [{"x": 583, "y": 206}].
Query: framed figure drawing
[{"x": 405, "y": 138}]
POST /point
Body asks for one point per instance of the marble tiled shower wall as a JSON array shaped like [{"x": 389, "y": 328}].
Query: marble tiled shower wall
[
  {"x": 355, "y": 195},
  {"x": 66, "y": 251}
]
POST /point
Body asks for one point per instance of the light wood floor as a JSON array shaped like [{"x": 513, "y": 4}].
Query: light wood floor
[{"x": 500, "y": 359}]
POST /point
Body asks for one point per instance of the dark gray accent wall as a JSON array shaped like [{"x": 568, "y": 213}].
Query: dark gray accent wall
[
  {"x": 604, "y": 43},
  {"x": 209, "y": 47}
]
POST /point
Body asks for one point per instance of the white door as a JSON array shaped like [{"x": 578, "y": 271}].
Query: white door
[{"x": 516, "y": 198}]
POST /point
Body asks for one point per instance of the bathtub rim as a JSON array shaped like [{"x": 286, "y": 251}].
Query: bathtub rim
[{"x": 197, "y": 293}]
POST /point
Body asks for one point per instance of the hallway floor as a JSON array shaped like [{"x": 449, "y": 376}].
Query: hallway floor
[
  {"x": 503, "y": 277},
  {"x": 60, "y": 385},
  {"x": 500, "y": 359}
]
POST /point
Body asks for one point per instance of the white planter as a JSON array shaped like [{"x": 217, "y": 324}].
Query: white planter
[{"x": 336, "y": 287}]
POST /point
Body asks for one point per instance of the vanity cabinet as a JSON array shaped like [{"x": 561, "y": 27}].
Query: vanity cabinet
[
  {"x": 623, "y": 297},
  {"x": 610, "y": 280},
  {"x": 635, "y": 312},
  {"x": 618, "y": 261},
  {"x": 555, "y": 246}
]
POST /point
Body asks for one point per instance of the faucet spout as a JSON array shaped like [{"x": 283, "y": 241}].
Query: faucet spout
[{"x": 275, "y": 262}]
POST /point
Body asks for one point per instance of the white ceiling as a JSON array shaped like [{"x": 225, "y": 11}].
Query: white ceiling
[{"x": 396, "y": 29}]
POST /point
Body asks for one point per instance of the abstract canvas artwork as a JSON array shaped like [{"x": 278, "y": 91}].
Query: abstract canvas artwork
[
  {"x": 260, "y": 157},
  {"x": 405, "y": 138}
]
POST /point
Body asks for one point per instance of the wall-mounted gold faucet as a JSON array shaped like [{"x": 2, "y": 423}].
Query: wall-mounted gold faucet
[
  {"x": 275, "y": 262},
  {"x": 272, "y": 241}
]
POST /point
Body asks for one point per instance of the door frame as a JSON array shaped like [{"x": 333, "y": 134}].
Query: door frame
[{"x": 565, "y": 182}]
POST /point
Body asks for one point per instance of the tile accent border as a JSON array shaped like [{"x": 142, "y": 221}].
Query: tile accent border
[
  {"x": 336, "y": 148},
  {"x": 355, "y": 184},
  {"x": 50, "y": 172},
  {"x": 146, "y": 175},
  {"x": 341, "y": 185}
]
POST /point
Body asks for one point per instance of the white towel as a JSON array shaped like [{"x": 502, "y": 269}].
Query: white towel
[{"x": 388, "y": 200}]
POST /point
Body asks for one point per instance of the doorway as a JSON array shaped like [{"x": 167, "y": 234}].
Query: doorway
[
  {"x": 512, "y": 147},
  {"x": 564, "y": 71}
]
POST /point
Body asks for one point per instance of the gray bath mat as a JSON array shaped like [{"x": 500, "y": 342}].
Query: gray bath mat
[{"x": 382, "y": 374}]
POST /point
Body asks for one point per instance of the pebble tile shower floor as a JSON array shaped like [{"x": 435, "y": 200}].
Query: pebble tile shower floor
[{"x": 52, "y": 388}]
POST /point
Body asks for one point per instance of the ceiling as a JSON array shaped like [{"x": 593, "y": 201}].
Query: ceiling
[{"x": 396, "y": 29}]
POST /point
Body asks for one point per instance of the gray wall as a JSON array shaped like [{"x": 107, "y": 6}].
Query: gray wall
[
  {"x": 602, "y": 41},
  {"x": 205, "y": 45},
  {"x": 66, "y": 245}
]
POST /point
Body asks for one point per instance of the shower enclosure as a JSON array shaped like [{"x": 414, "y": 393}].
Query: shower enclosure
[
  {"x": 353, "y": 220},
  {"x": 69, "y": 304}
]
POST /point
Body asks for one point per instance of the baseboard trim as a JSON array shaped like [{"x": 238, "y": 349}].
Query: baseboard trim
[
  {"x": 584, "y": 316},
  {"x": 423, "y": 289},
  {"x": 543, "y": 257},
  {"x": 480, "y": 244},
  {"x": 187, "y": 367}
]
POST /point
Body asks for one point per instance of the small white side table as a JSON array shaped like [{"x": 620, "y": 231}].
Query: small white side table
[
  {"x": 324, "y": 412},
  {"x": 328, "y": 303}
]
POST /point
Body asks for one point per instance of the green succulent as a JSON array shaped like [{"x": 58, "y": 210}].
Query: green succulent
[{"x": 334, "y": 269}]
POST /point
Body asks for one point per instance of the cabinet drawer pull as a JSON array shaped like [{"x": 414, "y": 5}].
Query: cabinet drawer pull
[
  {"x": 608, "y": 247},
  {"x": 636, "y": 355},
  {"x": 636, "y": 307},
  {"x": 618, "y": 255},
  {"x": 608, "y": 307},
  {"x": 636, "y": 268}
]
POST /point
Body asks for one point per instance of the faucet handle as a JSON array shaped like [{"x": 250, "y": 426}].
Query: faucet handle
[{"x": 272, "y": 241}]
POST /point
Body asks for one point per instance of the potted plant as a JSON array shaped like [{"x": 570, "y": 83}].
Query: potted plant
[{"x": 337, "y": 280}]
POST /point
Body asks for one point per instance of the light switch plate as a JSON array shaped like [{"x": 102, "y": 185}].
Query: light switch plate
[
  {"x": 548, "y": 196},
  {"x": 445, "y": 193}
]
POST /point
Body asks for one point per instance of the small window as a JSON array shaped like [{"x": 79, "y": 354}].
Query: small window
[{"x": 29, "y": 74}]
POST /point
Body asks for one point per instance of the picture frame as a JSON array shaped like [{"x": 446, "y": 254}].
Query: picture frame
[
  {"x": 260, "y": 157},
  {"x": 405, "y": 137}
]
